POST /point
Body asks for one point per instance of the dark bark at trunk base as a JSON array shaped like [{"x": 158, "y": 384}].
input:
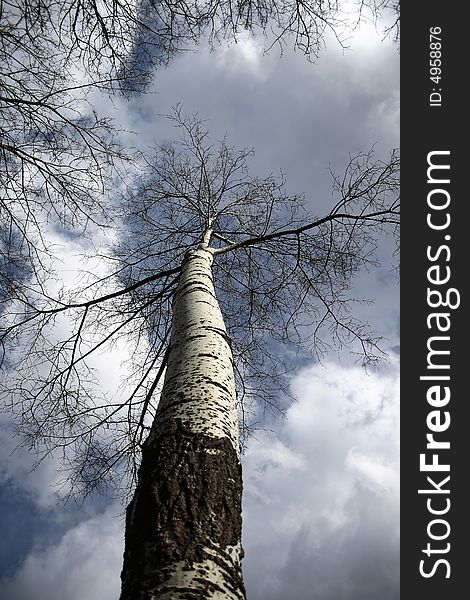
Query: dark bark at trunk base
[{"x": 183, "y": 527}]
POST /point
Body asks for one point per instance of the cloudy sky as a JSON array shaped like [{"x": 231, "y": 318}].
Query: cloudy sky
[{"x": 321, "y": 487}]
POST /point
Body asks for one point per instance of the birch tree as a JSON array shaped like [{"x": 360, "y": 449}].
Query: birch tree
[{"x": 218, "y": 276}]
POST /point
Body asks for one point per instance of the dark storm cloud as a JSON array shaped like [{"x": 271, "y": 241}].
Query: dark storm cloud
[{"x": 299, "y": 117}]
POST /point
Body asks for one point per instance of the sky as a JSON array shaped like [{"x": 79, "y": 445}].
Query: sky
[{"x": 321, "y": 487}]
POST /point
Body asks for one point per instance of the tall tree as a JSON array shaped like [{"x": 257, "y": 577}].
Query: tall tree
[
  {"x": 200, "y": 238},
  {"x": 183, "y": 528}
]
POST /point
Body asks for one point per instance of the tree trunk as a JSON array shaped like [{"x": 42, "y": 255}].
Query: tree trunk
[{"x": 183, "y": 527}]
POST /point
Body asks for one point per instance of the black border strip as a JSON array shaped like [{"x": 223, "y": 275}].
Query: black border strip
[{"x": 434, "y": 124}]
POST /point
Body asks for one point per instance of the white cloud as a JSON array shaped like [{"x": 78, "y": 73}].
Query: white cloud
[
  {"x": 244, "y": 58},
  {"x": 373, "y": 471},
  {"x": 39, "y": 482},
  {"x": 84, "y": 564},
  {"x": 323, "y": 494}
]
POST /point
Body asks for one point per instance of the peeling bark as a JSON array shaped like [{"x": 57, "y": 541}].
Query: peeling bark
[{"x": 183, "y": 528}]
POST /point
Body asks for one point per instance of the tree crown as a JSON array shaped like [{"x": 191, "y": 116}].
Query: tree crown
[{"x": 282, "y": 276}]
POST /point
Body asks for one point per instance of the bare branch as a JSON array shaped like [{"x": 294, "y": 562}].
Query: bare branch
[{"x": 282, "y": 277}]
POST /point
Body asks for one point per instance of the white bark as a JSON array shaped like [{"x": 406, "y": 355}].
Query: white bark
[
  {"x": 183, "y": 531},
  {"x": 199, "y": 383}
]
